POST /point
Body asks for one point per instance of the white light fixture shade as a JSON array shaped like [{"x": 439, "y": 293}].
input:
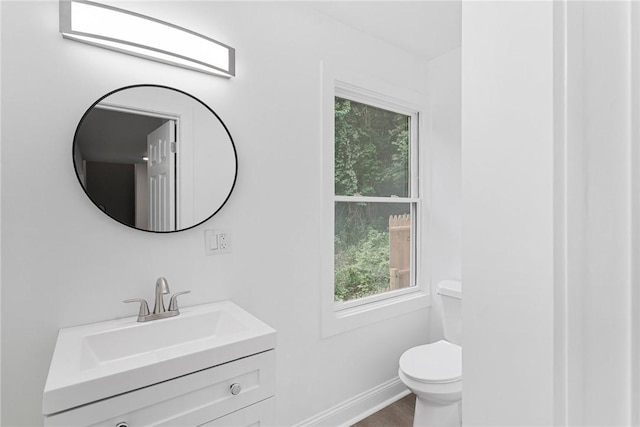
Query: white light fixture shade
[{"x": 140, "y": 35}]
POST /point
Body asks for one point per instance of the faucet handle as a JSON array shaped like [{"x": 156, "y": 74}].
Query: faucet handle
[
  {"x": 173, "y": 302},
  {"x": 144, "y": 307}
]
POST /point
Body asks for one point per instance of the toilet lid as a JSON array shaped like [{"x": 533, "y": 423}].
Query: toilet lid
[{"x": 440, "y": 362}]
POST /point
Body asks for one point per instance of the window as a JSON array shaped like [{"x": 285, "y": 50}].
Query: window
[
  {"x": 373, "y": 211},
  {"x": 375, "y": 200}
]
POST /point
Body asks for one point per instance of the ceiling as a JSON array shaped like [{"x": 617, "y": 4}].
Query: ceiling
[{"x": 422, "y": 27}]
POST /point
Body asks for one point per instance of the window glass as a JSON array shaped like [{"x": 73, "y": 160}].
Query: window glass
[
  {"x": 372, "y": 248},
  {"x": 373, "y": 232},
  {"x": 371, "y": 150}
]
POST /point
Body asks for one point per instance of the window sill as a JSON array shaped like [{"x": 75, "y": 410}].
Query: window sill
[{"x": 338, "y": 321}]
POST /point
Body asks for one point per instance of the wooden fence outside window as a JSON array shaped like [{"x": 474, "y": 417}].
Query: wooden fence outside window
[{"x": 399, "y": 251}]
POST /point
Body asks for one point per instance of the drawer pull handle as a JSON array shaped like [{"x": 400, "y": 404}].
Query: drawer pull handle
[
  {"x": 122, "y": 424},
  {"x": 235, "y": 388}
]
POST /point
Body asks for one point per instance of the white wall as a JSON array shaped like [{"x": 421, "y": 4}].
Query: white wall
[
  {"x": 599, "y": 153},
  {"x": 507, "y": 213},
  {"x": 606, "y": 295},
  {"x": 547, "y": 155},
  {"x": 64, "y": 263},
  {"x": 444, "y": 176}
]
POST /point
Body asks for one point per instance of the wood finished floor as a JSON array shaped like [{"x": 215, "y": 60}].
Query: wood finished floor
[{"x": 398, "y": 414}]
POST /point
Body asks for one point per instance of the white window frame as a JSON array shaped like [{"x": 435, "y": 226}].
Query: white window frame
[{"x": 338, "y": 317}]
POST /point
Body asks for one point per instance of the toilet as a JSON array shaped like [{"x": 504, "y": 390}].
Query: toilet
[{"x": 433, "y": 372}]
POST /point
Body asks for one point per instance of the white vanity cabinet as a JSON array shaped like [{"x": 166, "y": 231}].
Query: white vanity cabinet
[
  {"x": 201, "y": 398},
  {"x": 214, "y": 365}
]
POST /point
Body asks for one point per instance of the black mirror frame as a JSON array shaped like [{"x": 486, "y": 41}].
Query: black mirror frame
[{"x": 75, "y": 166}]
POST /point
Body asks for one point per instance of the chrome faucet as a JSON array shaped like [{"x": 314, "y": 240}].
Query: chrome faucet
[
  {"x": 162, "y": 288},
  {"x": 159, "y": 312}
]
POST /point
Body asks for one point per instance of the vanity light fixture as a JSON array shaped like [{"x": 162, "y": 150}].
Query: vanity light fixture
[{"x": 129, "y": 32}]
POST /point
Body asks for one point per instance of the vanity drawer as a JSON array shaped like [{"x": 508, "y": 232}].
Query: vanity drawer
[{"x": 190, "y": 400}]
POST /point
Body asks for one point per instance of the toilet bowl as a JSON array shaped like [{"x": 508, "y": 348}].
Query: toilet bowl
[{"x": 433, "y": 372}]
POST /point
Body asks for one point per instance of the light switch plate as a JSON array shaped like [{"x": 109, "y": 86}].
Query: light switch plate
[{"x": 217, "y": 242}]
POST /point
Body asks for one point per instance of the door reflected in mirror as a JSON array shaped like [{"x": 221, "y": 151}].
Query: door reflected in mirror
[{"x": 155, "y": 158}]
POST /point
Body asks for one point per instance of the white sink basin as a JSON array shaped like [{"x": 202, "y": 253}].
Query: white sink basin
[
  {"x": 134, "y": 340},
  {"x": 99, "y": 360}
]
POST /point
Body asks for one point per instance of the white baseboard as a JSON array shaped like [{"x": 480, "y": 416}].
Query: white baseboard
[{"x": 359, "y": 407}]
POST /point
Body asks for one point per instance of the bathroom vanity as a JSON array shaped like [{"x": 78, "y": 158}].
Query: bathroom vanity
[{"x": 212, "y": 365}]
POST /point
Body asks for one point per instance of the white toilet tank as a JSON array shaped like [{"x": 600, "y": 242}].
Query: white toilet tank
[{"x": 450, "y": 292}]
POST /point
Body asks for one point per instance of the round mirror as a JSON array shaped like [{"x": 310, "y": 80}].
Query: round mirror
[{"x": 155, "y": 158}]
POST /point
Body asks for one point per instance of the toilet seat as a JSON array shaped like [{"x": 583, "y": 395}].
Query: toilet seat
[{"x": 436, "y": 363}]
